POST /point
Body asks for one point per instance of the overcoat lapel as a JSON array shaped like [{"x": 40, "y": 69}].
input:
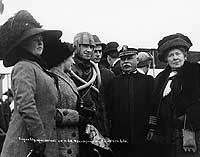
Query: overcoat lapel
[{"x": 67, "y": 79}]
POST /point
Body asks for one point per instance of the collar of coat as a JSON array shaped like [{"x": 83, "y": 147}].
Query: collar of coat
[
  {"x": 65, "y": 77},
  {"x": 188, "y": 74}
]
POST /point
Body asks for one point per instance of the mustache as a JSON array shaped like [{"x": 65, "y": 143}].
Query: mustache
[{"x": 126, "y": 65}]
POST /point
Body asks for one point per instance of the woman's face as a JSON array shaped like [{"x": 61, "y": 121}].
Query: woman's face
[
  {"x": 68, "y": 63},
  {"x": 34, "y": 44},
  {"x": 176, "y": 58}
]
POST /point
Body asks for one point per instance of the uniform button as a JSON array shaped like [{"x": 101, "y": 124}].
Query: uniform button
[
  {"x": 69, "y": 151},
  {"x": 73, "y": 134}
]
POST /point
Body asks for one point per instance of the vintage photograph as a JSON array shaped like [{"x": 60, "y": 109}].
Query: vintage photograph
[{"x": 109, "y": 78}]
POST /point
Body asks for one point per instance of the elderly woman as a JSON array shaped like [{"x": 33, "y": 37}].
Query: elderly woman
[
  {"x": 177, "y": 98},
  {"x": 32, "y": 127},
  {"x": 67, "y": 115}
]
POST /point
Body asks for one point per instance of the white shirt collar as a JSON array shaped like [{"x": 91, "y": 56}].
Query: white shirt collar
[
  {"x": 115, "y": 62},
  {"x": 140, "y": 71}
]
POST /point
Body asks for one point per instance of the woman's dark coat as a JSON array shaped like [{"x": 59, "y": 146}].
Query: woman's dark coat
[{"x": 184, "y": 98}]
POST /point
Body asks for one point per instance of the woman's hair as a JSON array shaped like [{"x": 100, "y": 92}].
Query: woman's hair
[{"x": 56, "y": 52}]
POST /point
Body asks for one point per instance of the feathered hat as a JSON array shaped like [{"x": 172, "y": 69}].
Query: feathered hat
[{"x": 18, "y": 28}]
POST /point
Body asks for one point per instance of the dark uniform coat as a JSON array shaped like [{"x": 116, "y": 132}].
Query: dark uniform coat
[
  {"x": 35, "y": 98},
  {"x": 106, "y": 77},
  {"x": 129, "y": 109}
]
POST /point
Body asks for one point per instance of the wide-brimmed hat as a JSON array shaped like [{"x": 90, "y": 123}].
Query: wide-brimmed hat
[
  {"x": 17, "y": 29},
  {"x": 126, "y": 51},
  {"x": 172, "y": 41},
  {"x": 98, "y": 42}
]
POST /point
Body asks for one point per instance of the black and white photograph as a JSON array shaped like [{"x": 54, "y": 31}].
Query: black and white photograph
[{"x": 109, "y": 78}]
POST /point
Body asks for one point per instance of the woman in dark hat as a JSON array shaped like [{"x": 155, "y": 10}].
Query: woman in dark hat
[
  {"x": 177, "y": 99},
  {"x": 67, "y": 117},
  {"x": 32, "y": 128}
]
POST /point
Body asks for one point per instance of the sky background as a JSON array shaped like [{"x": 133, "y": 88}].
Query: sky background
[{"x": 136, "y": 23}]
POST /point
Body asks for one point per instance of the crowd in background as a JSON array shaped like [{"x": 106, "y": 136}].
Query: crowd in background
[{"x": 91, "y": 99}]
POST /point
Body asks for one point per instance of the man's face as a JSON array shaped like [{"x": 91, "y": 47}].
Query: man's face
[
  {"x": 86, "y": 51},
  {"x": 176, "y": 58},
  {"x": 97, "y": 54},
  {"x": 129, "y": 62}
]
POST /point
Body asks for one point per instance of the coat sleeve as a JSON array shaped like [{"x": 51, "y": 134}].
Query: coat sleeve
[{"x": 24, "y": 87}]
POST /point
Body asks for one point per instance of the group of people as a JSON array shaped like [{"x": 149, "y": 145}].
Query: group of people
[{"x": 91, "y": 99}]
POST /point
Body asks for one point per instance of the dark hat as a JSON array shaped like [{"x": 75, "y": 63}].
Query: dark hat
[
  {"x": 172, "y": 41},
  {"x": 98, "y": 41},
  {"x": 56, "y": 52},
  {"x": 8, "y": 93},
  {"x": 111, "y": 46},
  {"x": 144, "y": 59},
  {"x": 18, "y": 28},
  {"x": 126, "y": 51}
]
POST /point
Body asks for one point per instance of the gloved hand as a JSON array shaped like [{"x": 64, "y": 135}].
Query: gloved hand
[
  {"x": 86, "y": 112},
  {"x": 83, "y": 120},
  {"x": 38, "y": 150},
  {"x": 39, "y": 147}
]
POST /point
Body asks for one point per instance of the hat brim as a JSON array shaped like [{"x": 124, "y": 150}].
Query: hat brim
[
  {"x": 101, "y": 44},
  {"x": 164, "y": 48},
  {"x": 110, "y": 50},
  {"x": 48, "y": 35},
  {"x": 127, "y": 54}
]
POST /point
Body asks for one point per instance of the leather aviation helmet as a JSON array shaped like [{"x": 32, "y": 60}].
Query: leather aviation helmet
[
  {"x": 172, "y": 41},
  {"x": 83, "y": 38},
  {"x": 17, "y": 29}
]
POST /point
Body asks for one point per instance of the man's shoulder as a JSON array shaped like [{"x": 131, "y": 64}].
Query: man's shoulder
[{"x": 145, "y": 77}]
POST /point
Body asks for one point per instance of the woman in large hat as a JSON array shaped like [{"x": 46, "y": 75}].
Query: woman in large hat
[
  {"x": 32, "y": 127},
  {"x": 176, "y": 98}
]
